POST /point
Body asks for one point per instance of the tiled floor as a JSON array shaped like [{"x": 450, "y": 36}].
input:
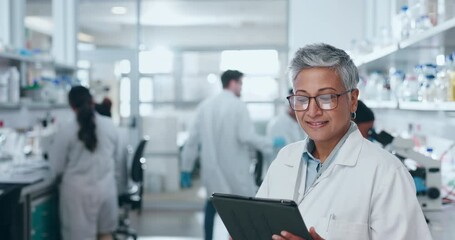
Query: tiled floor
[
  {"x": 179, "y": 216},
  {"x": 181, "y": 225},
  {"x": 176, "y": 216}
]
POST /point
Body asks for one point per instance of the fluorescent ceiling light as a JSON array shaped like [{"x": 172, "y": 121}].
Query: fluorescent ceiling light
[{"x": 118, "y": 10}]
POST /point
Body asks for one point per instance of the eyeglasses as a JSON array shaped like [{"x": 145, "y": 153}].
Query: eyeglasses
[{"x": 324, "y": 101}]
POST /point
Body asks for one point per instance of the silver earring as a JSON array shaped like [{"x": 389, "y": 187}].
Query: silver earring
[{"x": 353, "y": 115}]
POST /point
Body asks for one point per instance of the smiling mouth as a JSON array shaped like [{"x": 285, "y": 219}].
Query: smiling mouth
[{"x": 317, "y": 124}]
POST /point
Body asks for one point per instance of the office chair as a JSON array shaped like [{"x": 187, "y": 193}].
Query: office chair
[
  {"x": 132, "y": 200},
  {"x": 258, "y": 168}
]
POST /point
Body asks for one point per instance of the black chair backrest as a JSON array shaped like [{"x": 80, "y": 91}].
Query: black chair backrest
[
  {"x": 137, "y": 170},
  {"x": 258, "y": 168}
]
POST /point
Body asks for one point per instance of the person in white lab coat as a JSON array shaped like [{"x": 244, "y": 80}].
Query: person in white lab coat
[
  {"x": 82, "y": 160},
  {"x": 345, "y": 186},
  {"x": 223, "y": 133},
  {"x": 286, "y": 126}
]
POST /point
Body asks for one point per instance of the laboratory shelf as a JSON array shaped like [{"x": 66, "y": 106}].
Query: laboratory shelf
[
  {"x": 33, "y": 106},
  {"x": 427, "y": 106},
  {"x": 36, "y": 60},
  {"x": 381, "y": 104},
  {"x": 418, "y": 49},
  {"x": 45, "y": 105},
  {"x": 414, "y": 106},
  {"x": 7, "y": 106}
]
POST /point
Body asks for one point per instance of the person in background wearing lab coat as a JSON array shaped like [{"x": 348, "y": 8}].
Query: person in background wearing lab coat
[
  {"x": 121, "y": 167},
  {"x": 364, "y": 119},
  {"x": 82, "y": 160},
  {"x": 223, "y": 133},
  {"x": 284, "y": 125},
  {"x": 345, "y": 186}
]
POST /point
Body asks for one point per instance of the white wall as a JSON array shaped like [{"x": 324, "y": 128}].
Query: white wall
[
  {"x": 197, "y": 37},
  {"x": 331, "y": 21}
]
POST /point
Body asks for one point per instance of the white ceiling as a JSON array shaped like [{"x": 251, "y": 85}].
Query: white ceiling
[{"x": 176, "y": 22}]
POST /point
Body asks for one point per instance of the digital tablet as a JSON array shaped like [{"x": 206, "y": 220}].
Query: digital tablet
[{"x": 248, "y": 218}]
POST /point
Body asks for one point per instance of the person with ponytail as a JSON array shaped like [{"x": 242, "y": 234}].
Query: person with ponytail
[{"x": 82, "y": 160}]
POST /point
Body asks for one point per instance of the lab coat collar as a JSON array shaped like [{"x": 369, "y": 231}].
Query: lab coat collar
[
  {"x": 349, "y": 152},
  {"x": 228, "y": 92},
  {"x": 347, "y": 155},
  {"x": 294, "y": 157}
]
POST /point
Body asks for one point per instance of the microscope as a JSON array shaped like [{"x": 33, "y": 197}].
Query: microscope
[{"x": 426, "y": 173}]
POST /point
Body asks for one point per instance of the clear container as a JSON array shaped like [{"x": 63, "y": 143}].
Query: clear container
[
  {"x": 442, "y": 84},
  {"x": 431, "y": 10},
  {"x": 419, "y": 72},
  {"x": 371, "y": 86},
  {"x": 405, "y": 22},
  {"x": 383, "y": 89},
  {"x": 427, "y": 90},
  {"x": 4, "y": 85},
  {"x": 396, "y": 82},
  {"x": 414, "y": 8},
  {"x": 423, "y": 23},
  {"x": 410, "y": 89},
  {"x": 14, "y": 85},
  {"x": 451, "y": 75}
]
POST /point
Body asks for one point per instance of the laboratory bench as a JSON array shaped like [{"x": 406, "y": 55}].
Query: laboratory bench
[{"x": 29, "y": 207}]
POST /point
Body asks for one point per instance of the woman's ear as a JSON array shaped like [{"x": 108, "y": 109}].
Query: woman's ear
[{"x": 354, "y": 99}]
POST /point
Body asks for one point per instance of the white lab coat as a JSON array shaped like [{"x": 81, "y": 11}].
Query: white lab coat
[
  {"x": 88, "y": 194},
  {"x": 366, "y": 193},
  {"x": 286, "y": 127},
  {"x": 225, "y": 133}
]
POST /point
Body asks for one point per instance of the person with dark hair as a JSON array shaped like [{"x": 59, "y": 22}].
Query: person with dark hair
[
  {"x": 104, "y": 108},
  {"x": 82, "y": 159},
  {"x": 364, "y": 118},
  {"x": 223, "y": 133}
]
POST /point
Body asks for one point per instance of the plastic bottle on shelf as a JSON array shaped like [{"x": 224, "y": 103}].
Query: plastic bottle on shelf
[
  {"x": 442, "y": 83},
  {"x": 451, "y": 75},
  {"x": 405, "y": 22},
  {"x": 396, "y": 82},
  {"x": 410, "y": 88},
  {"x": 431, "y": 11},
  {"x": 419, "y": 72},
  {"x": 4, "y": 85},
  {"x": 423, "y": 23},
  {"x": 427, "y": 90},
  {"x": 371, "y": 86},
  {"x": 382, "y": 88},
  {"x": 14, "y": 85},
  {"x": 414, "y": 8}
]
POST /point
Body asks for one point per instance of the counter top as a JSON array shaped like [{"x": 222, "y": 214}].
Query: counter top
[{"x": 30, "y": 176}]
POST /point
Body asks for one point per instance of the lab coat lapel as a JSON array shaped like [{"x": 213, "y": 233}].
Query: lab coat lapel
[{"x": 293, "y": 161}]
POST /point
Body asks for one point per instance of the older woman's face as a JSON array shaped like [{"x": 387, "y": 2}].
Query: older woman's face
[{"x": 324, "y": 126}]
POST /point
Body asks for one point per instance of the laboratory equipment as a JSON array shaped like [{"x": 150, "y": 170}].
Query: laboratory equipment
[{"x": 426, "y": 173}]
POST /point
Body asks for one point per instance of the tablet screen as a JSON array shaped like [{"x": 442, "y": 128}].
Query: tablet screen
[{"x": 248, "y": 218}]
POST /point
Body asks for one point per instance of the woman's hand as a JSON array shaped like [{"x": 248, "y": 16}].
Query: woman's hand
[{"x": 289, "y": 236}]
